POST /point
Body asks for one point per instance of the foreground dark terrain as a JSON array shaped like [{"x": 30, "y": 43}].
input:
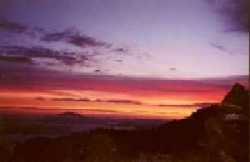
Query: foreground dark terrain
[{"x": 217, "y": 133}]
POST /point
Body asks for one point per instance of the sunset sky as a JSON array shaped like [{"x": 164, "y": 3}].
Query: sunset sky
[{"x": 121, "y": 58}]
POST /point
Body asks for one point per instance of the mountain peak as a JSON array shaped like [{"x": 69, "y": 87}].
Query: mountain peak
[
  {"x": 238, "y": 87},
  {"x": 237, "y": 96}
]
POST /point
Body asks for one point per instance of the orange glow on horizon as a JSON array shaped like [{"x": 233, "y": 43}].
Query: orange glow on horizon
[{"x": 163, "y": 105}]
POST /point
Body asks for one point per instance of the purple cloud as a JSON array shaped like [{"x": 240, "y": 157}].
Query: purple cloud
[
  {"x": 9, "y": 26},
  {"x": 43, "y": 54},
  {"x": 70, "y": 36},
  {"x": 75, "y": 38},
  {"x": 26, "y": 54}
]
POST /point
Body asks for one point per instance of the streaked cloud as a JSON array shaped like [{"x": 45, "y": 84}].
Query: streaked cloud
[
  {"x": 172, "y": 69},
  {"x": 29, "y": 53},
  {"x": 77, "y": 99},
  {"x": 72, "y": 99},
  {"x": 121, "y": 50},
  {"x": 57, "y": 49},
  {"x": 220, "y": 48},
  {"x": 74, "y": 37},
  {"x": 9, "y": 26},
  {"x": 120, "y": 101},
  {"x": 40, "y": 98},
  {"x": 16, "y": 59}
]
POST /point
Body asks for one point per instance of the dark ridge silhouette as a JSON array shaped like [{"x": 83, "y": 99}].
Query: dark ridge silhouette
[{"x": 216, "y": 133}]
